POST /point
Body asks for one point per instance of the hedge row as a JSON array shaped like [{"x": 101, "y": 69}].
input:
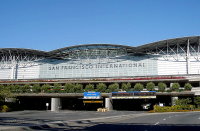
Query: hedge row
[{"x": 101, "y": 87}]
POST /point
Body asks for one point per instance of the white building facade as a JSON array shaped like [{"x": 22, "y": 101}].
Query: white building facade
[{"x": 180, "y": 56}]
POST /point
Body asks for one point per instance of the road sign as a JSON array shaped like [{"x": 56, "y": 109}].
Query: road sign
[{"x": 92, "y": 95}]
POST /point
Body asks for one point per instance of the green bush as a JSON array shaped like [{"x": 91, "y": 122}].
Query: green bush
[
  {"x": 36, "y": 88},
  {"x": 69, "y": 88},
  {"x": 161, "y": 87},
  {"x": 174, "y": 108},
  {"x": 4, "y": 108},
  {"x": 197, "y": 101},
  {"x": 78, "y": 88},
  {"x": 113, "y": 87},
  {"x": 89, "y": 87},
  {"x": 101, "y": 87},
  {"x": 175, "y": 87},
  {"x": 126, "y": 86},
  {"x": 188, "y": 87},
  {"x": 45, "y": 88},
  {"x": 138, "y": 87},
  {"x": 150, "y": 86}
]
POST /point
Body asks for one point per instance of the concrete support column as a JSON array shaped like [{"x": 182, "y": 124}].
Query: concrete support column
[
  {"x": 55, "y": 104},
  {"x": 108, "y": 104},
  {"x": 173, "y": 99}
]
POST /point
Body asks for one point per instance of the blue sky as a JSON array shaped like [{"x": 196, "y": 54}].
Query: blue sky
[{"x": 52, "y": 24}]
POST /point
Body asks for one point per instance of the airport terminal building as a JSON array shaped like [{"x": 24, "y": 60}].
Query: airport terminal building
[
  {"x": 168, "y": 61},
  {"x": 180, "y": 56}
]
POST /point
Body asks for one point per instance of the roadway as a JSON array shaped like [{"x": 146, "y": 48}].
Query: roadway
[{"x": 91, "y": 120}]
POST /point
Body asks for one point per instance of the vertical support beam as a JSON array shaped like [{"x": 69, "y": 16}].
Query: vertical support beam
[
  {"x": 16, "y": 71},
  {"x": 188, "y": 57},
  {"x": 177, "y": 51},
  {"x": 12, "y": 72},
  {"x": 108, "y": 104},
  {"x": 167, "y": 51},
  {"x": 198, "y": 51},
  {"x": 173, "y": 99},
  {"x": 55, "y": 104}
]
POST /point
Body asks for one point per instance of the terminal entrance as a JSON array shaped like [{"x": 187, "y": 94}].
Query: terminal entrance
[
  {"x": 133, "y": 104},
  {"x": 81, "y": 104}
]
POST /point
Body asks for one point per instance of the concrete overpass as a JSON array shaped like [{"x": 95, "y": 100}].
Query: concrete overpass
[{"x": 58, "y": 100}]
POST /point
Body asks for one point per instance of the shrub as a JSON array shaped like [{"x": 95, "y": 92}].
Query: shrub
[
  {"x": 161, "y": 87},
  {"x": 138, "y": 87},
  {"x": 101, "y": 87},
  {"x": 175, "y": 108},
  {"x": 126, "y": 87},
  {"x": 113, "y": 87},
  {"x": 78, "y": 88},
  {"x": 89, "y": 87},
  {"x": 45, "y": 88},
  {"x": 197, "y": 101},
  {"x": 188, "y": 87},
  {"x": 69, "y": 88},
  {"x": 175, "y": 87},
  {"x": 36, "y": 88},
  {"x": 150, "y": 86},
  {"x": 4, "y": 108}
]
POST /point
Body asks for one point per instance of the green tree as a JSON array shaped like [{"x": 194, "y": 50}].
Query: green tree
[
  {"x": 150, "y": 86},
  {"x": 188, "y": 87},
  {"x": 175, "y": 87},
  {"x": 197, "y": 101},
  {"x": 5, "y": 93},
  {"x": 89, "y": 87},
  {"x": 45, "y": 88},
  {"x": 161, "y": 87},
  {"x": 69, "y": 88},
  {"x": 101, "y": 87},
  {"x": 13, "y": 88},
  {"x": 78, "y": 88},
  {"x": 113, "y": 87},
  {"x": 56, "y": 88},
  {"x": 183, "y": 103},
  {"x": 126, "y": 86},
  {"x": 25, "y": 88},
  {"x": 36, "y": 88},
  {"x": 138, "y": 87}
]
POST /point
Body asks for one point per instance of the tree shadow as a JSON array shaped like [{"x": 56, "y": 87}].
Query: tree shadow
[{"x": 143, "y": 127}]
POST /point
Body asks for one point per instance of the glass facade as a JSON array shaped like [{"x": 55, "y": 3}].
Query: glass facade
[{"x": 98, "y": 61}]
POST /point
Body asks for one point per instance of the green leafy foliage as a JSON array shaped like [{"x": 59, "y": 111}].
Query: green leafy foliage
[
  {"x": 175, "y": 87},
  {"x": 4, "y": 108},
  {"x": 138, "y": 87},
  {"x": 45, "y": 88},
  {"x": 175, "y": 108},
  {"x": 101, "y": 87},
  {"x": 89, "y": 87},
  {"x": 113, "y": 87},
  {"x": 183, "y": 103},
  {"x": 78, "y": 88},
  {"x": 161, "y": 87},
  {"x": 150, "y": 86},
  {"x": 188, "y": 87},
  {"x": 126, "y": 86},
  {"x": 36, "y": 88},
  {"x": 69, "y": 88},
  {"x": 5, "y": 93},
  {"x": 197, "y": 101}
]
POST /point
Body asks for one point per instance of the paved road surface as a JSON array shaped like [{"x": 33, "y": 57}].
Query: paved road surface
[{"x": 91, "y": 120}]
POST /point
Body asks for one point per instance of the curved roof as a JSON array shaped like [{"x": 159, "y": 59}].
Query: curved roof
[
  {"x": 22, "y": 51},
  {"x": 129, "y": 49},
  {"x": 169, "y": 42},
  {"x": 93, "y": 46}
]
